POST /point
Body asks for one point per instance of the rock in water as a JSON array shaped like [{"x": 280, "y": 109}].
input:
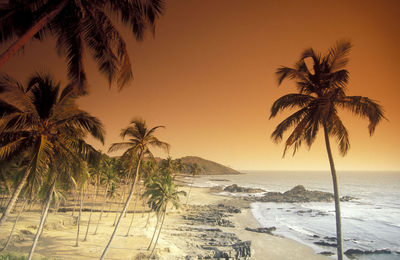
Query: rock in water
[{"x": 236, "y": 188}]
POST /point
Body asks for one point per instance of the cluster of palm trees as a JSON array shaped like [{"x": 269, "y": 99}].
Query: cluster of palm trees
[
  {"x": 45, "y": 154},
  {"x": 43, "y": 151}
]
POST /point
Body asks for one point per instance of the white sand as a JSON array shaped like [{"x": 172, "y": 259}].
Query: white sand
[{"x": 58, "y": 239}]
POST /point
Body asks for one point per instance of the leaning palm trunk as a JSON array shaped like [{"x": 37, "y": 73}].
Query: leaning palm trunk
[
  {"x": 42, "y": 220},
  {"x": 155, "y": 231},
  {"x": 102, "y": 209},
  {"x": 133, "y": 214},
  {"x": 339, "y": 239},
  {"x": 91, "y": 211},
  {"x": 159, "y": 231},
  {"x": 15, "y": 195},
  {"x": 13, "y": 228},
  {"x": 18, "y": 44},
  {"x": 79, "y": 217},
  {"x": 125, "y": 207}
]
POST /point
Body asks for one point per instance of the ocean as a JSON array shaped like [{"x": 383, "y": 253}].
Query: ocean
[{"x": 369, "y": 223}]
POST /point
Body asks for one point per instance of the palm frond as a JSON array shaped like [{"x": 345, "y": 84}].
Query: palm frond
[
  {"x": 119, "y": 146},
  {"x": 290, "y": 101},
  {"x": 365, "y": 108},
  {"x": 296, "y": 137},
  {"x": 70, "y": 43},
  {"x": 337, "y": 129},
  {"x": 87, "y": 122},
  {"x": 286, "y": 73},
  {"x": 10, "y": 148},
  {"x": 338, "y": 55},
  {"x": 293, "y": 119}
]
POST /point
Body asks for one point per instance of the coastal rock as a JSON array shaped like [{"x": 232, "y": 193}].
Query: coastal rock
[
  {"x": 240, "y": 250},
  {"x": 235, "y": 188},
  {"x": 243, "y": 250},
  {"x": 297, "y": 194},
  {"x": 324, "y": 243},
  {"x": 327, "y": 253},
  {"x": 213, "y": 215},
  {"x": 262, "y": 230},
  {"x": 347, "y": 198},
  {"x": 353, "y": 252}
]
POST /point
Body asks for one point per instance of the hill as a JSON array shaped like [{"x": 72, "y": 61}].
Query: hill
[{"x": 209, "y": 167}]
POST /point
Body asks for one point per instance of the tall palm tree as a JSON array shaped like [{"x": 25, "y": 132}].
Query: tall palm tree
[
  {"x": 78, "y": 25},
  {"x": 44, "y": 120},
  {"x": 321, "y": 93},
  {"x": 162, "y": 191},
  {"x": 141, "y": 139}
]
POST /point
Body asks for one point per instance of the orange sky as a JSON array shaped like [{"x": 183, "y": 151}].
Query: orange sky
[{"x": 208, "y": 76}]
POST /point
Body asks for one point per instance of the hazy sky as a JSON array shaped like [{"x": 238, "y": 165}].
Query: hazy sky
[{"x": 208, "y": 76}]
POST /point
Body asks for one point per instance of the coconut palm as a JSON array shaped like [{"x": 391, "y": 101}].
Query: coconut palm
[
  {"x": 321, "y": 93},
  {"x": 162, "y": 191},
  {"x": 141, "y": 139},
  {"x": 66, "y": 166},
  {"x": 45, "y": 121},
  {"x": 78, "y": 25}
]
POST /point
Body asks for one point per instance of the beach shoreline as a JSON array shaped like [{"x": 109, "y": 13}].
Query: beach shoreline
[{"x": 181, "y": 237}]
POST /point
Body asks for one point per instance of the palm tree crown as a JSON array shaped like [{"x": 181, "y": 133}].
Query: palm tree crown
[
  {"x": 140, "y": 140},
  {"x": 44, "y": 122},
  {"x": 322, "y": 91}
]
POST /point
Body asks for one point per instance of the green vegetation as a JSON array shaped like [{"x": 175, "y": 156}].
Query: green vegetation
[
  {"x": 89, "y": 26},
  {"x": 207, "y": 167},
  {"x": 140, "y": 140}
]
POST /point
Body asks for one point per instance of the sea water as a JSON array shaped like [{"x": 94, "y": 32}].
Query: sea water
[{"x": 369, "y": 223}]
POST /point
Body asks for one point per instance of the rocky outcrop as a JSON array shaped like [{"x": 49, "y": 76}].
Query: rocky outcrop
[
  {"x": 357, "y": 252},
  {"x": 213, "y": 215},
  {"x": 236, "y": 188},
  {"x": 298, "y": 194},
  {"x": 215, "y": 243}
]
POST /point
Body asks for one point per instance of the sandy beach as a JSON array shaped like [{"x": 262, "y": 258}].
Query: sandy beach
[{"x": 181, "y": 237}]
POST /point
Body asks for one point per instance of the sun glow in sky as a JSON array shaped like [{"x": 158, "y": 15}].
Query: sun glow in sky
[{"x": 208, "y": 76}]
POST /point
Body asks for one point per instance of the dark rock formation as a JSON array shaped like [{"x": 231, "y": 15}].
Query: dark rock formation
[
  {"x": 243, "y": 250},
  {"x": 262, "y": 230},
  {"x": 327, "y": 253},
  {"x": 236, "y": 188},
  {"x": 298, "y": 194},
  {"x": 213, "y": 215},
  {"x": 324, "y": 243},
  {"x": 353, "y": 252},
  {"x": 347, "y": 198}
]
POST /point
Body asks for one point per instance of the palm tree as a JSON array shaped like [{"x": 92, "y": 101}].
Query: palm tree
[
  {"x": 162, "y": 191},
  {"x": 64, "y": 166},
  {"x": 44, "y": 121},
  {"x": 79, "y": 25},
  {"x": 141, "y": 138},
  {"x": 321, "y": 93},
  {"x": 108, "y": 178},
  {"x": 195, "y": 169}
]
